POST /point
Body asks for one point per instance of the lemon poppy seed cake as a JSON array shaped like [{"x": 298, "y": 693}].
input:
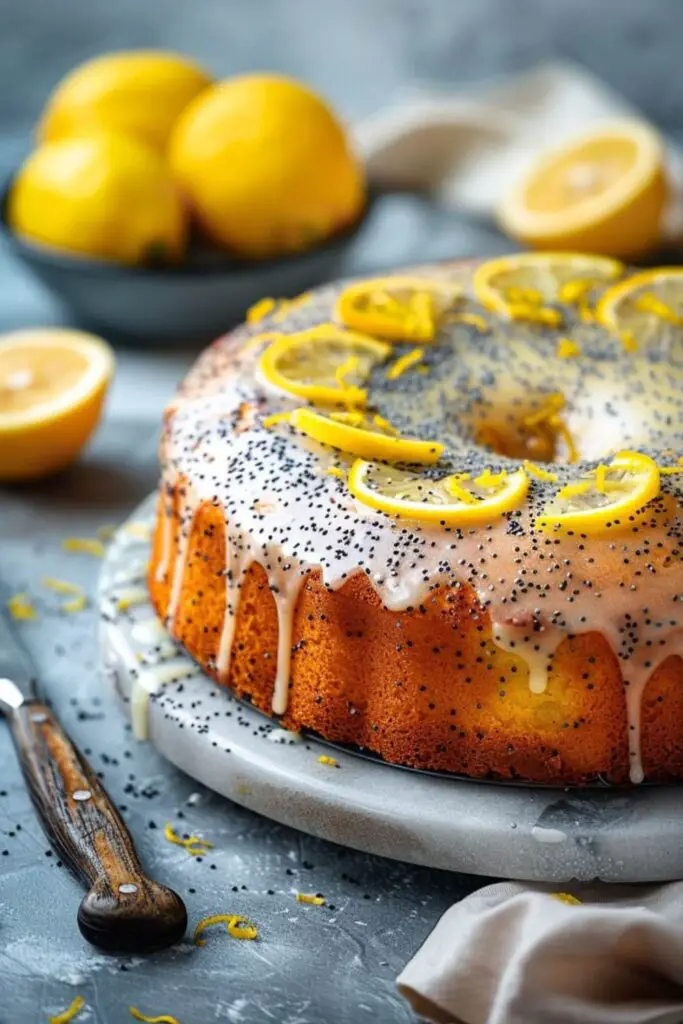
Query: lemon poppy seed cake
[{"x": 439, "y": 516}]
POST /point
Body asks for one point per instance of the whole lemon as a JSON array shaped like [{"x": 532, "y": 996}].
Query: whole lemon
[
  {"x": 108, "y": 196},
  {"x": 139, "y": 92},
  {"x": 266, "y": 165}
]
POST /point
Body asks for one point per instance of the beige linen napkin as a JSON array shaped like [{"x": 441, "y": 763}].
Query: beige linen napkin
[
  {"x": 468, "y": 146},
  {"x": 514, "y": 954}
]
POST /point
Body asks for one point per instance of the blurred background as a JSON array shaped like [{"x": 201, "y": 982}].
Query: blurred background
[{"x": 361, "y": 55}]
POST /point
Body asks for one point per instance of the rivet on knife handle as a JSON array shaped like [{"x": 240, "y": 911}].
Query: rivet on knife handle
[{"x": 123, "y": 910}]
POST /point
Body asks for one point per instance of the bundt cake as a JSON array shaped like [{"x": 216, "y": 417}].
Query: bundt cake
[{"x": 439, "y": 516}]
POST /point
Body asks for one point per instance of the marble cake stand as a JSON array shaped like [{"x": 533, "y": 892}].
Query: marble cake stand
[{"x": 537, "y": 834}]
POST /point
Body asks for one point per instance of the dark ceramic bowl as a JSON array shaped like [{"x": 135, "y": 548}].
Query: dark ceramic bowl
[{"x": 198, "y": 300}]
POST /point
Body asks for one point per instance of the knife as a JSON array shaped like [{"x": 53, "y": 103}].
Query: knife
[{"x": 123, "y": 910}]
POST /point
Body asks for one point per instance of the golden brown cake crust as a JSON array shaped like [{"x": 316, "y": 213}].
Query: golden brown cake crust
[{"x": 426, "y": 686}]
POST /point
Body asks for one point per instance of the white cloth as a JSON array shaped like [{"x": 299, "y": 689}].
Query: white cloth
[
  {"x": 466, "y": 147},
  {"x": 513, "y": 954}
]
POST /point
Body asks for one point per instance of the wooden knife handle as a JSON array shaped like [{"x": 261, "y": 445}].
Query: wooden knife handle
[{"x": 123, "y": 910}]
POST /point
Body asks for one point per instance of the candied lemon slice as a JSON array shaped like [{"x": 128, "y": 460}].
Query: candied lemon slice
[
  {"x": 526, "y": 285},
  {"x": 601, "y": 192},
  {"x": 641, "y": 308},
  {"x": 397, "y": 308},
  {"x": 454, "y": 500},
  {"x": 325, "y": 365},
  {"x": 605, "y": 496},
  {"x": 364, "y": 434}
]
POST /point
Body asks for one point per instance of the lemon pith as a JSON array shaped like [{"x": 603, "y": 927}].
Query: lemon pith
[
  {"x": 52, "y": 387},
  {"x": 455, "y": 499},
  {"x": 325, "y": 365},
  {"x": 396, "y": 308},
  {"x": 363, "y": 441},
  {"x": 605, "y": 496}
]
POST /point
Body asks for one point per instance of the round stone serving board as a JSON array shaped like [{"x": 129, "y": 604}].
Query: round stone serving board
[{"x": 537, "y": 834}]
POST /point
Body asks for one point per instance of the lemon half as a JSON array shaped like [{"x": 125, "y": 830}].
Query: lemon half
[
  {"x": 603, "y": 192},
  {"x": 52, "y": 386}
]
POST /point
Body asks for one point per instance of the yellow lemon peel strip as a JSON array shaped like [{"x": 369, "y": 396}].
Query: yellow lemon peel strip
[
  {"x": 534, "y": 314},
  {"x": 195, "y": 846},
  {"x": 335, "y": 471},
  {"x": 275, "y": 418},
  {"x": 566, "y": 897},
  {"x": 403, "y": 363},
  {"x": 540, "y": 473},
  {"x": 84, "y": 546},
  {"x": 305, "y": 897},
  {"x": 260, "y": 310},
  {"x": 568, "y": 349},
  {"x": 71, "y": 1011},
  {"x": 21, "y": 608},
  {"x": 76, "y": 604},
  {"x": 489, "y": 479},
  {"x": 651, "y": 303},
  {"x": 61, "y": 586},
  {"x": 473, "y": 319},
  {"x": 165, "y": 1018},
  {"x": 237, "y": 927},
  {"x": 331, "y": 761}
]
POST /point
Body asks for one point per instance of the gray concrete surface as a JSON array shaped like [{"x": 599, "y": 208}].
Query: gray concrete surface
[{"x": 312, "y": 966}]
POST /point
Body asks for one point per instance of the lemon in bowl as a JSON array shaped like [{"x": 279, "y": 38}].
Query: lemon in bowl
[
  {"x": 106, "y": 195},
  {"x": 137, "y": 92},
  {"x": 266, "y": 165}
]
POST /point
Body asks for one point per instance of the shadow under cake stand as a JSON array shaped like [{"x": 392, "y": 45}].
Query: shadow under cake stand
[{"x": 523, "y": 832}]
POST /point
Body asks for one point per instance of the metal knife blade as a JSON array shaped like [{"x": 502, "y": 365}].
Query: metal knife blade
[{"x": 17, "y": 671}]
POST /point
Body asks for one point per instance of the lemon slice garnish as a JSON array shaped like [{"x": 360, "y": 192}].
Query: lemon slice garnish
[
  {"x": 526, "y": 285},
  {"x": 640, "y": 308},
  {"x": 454, "y": 500},
  {"x": 52, "y": 387},
  {"x": 366, "y": 435},
  {"x": 601, "y": 192},
  {"x": 605, "y": 496},
  {"x": 397, "y": 308},
  {"x": 325, "y": 365}
]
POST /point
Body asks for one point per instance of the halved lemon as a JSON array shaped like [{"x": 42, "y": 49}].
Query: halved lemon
[
  {"x": 52, "y": 386},
  {"x": 641, "y": 306},
  {"x": 397, "y": 308},
  {"x": 325, "y": 365},
  {"x": 364, "y": 434},
  {"x": 601, "y": 192},
  {"x": 527, "y": 284},
  {"x": 454, "y": 500},
  {"x": 604, "y": 497}
]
